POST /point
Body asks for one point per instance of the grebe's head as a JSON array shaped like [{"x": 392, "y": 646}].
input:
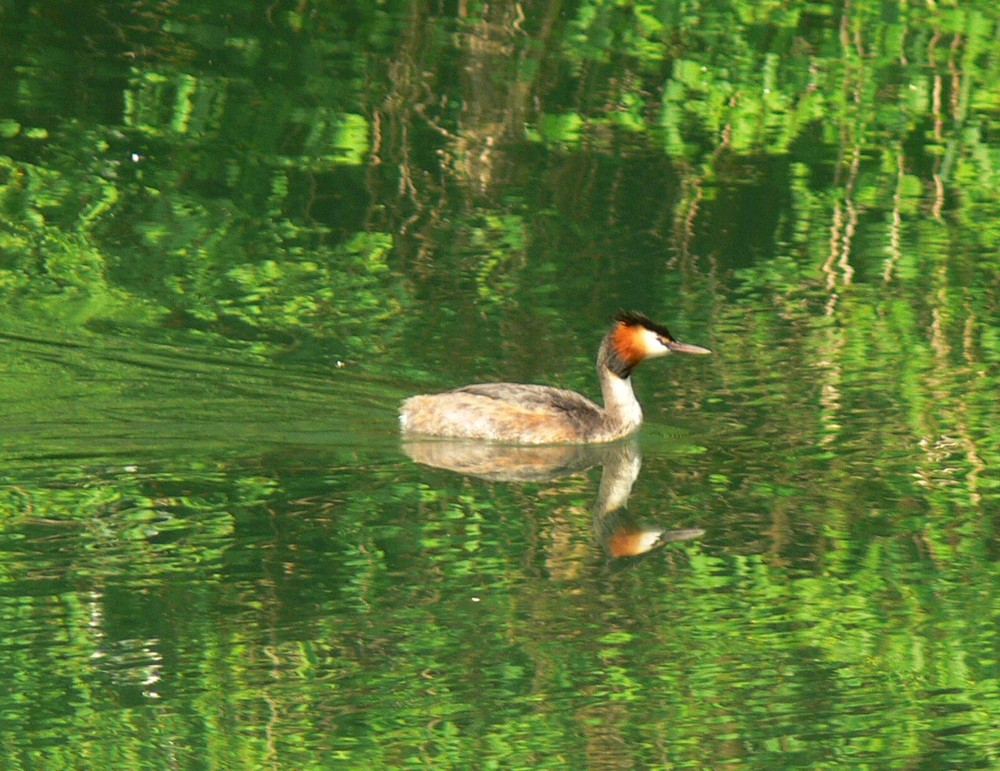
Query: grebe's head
[{"x": 635, "y": 337}]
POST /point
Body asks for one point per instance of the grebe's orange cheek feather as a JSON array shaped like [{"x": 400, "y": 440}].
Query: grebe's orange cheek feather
[{"x": 629, "y": 343}]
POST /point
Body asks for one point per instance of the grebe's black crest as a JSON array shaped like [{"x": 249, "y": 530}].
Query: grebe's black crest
[{"x": 639, "y": 319}]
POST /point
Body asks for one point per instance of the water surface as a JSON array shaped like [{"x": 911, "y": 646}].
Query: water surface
[{"x": 236, "y": 236}]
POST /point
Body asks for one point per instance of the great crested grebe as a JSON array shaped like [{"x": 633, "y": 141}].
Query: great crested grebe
[{"x": 535, "y": 414}]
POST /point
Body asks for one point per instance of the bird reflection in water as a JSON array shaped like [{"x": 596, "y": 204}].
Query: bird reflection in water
[{"x": 621, "y": 534}]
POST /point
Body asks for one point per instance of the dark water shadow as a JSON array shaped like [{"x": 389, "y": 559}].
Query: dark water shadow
[{"x": 109, "y": 398}]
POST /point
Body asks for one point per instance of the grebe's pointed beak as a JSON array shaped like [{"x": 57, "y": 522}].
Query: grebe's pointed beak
[{"x": 676, "y": 346}]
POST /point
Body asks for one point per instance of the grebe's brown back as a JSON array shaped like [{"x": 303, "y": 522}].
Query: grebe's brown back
[{"x": 534, "y": 414}]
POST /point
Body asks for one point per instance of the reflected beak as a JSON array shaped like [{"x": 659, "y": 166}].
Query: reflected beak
[{"x": 676, "y": 346}]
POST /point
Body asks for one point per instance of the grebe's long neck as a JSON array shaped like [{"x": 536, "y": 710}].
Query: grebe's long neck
[{"x": 622, "y": 413}]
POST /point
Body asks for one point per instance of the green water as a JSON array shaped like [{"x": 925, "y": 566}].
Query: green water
[{"x": 235, "y": 235}]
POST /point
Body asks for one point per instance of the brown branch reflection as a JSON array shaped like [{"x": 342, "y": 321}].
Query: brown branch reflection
[{"x": 619, "y": 532}]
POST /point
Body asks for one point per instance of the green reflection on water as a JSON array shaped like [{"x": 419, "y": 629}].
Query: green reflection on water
[{"x": 233, "y": 238}]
